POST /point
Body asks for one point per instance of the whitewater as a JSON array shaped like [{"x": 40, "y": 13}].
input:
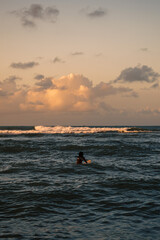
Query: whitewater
[{"x": 68, "y": 129}]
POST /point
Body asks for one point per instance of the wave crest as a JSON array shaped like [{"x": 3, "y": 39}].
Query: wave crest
[
  {"x": 76, "y": 130},
  {"x": 69, "y": 130}
]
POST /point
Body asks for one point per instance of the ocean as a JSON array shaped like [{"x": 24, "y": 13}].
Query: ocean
[{"x": 44, "y": 194}]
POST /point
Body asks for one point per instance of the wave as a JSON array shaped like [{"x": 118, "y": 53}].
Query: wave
[
  {"x": 70, "y": 130},
  {"x": 77, "y": 130}
]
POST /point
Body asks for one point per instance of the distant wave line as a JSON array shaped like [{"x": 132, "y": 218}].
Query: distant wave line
[{"x": 72, "y": 130}]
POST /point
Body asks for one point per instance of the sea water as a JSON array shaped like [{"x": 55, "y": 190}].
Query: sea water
[{"x": 45, "y": 195}]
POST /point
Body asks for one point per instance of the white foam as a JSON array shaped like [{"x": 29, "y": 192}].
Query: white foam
[
  {"x": 69, "y": 130},
  {"x": 76, "y": 130},
  {"x": 16, "y": 132}
]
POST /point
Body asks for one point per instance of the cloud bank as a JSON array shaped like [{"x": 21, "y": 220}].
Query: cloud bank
[
  {"x": 71, "y": 93},
  {"x": 73, "y": 97}
]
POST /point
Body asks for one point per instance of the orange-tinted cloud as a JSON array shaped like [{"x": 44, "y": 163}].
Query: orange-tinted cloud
[
  {"x": 68, "y": 93},
  {"x": 71, "y": 93}
]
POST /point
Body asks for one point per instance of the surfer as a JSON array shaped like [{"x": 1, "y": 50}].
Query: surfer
[{"x": 81, "y": 158}]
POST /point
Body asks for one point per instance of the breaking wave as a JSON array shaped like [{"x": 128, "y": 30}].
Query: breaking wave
[
  {"x": 76, "y": 130},
  {"x": 69, "y": 130}
]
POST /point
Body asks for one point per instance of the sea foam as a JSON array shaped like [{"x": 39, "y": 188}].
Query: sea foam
[
  {"x": 70, "y": 130},
  {"x": 76, "y": 130}
]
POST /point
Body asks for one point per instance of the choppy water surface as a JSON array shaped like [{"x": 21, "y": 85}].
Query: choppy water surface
[{"x": 45, "y": 195}]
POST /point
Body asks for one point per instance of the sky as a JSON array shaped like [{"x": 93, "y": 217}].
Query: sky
[{"x": 79, "y": 62}]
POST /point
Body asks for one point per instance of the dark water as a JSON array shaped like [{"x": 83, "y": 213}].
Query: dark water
[{"x": 45, "y": 195}]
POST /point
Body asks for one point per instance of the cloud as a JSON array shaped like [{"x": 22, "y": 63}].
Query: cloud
[
  {"x": 70, "y": 93},
  {"x": 58, "y": 60},
  {"x": 39, "y": 77},
  {"x": 51, "y": 13},
  {"x": 44, "y": 83},
  {"x": 138, "y": 74},
  {"x": 77, "y": 53},
  {"x": 103, "y": 89},
  {"x": 97, "y": 13},
  {"x": 150, "y": 111},
  {"x": 156, "y": 85},
  {"x": 144, "y": 49},
  {"x": 73, "y": 93},
  {"x": 26, "y": 65},
  {"x": 8, "y": 86},
  {"x": 28, "y": 23},
  {"x": 98, "y": 55},
  {"x": 12, "y": 78},
  {"x": 36, "y": 103},
  {"x": 105, "y": 107},
  {"x": 35, "y": 11},
  {"x": 29, "y": 16}
]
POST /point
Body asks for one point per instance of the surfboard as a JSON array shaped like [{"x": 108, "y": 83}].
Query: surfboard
[{"x": 88, "y": 162}]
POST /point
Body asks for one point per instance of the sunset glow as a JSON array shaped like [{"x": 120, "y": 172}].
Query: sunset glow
[{"x": 79, "y": 62}]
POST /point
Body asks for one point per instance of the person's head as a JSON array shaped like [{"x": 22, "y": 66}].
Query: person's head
[{"x": 80, "y": 154}]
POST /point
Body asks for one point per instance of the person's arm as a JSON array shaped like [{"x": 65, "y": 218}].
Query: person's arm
[{"x": 85, "y": 159}]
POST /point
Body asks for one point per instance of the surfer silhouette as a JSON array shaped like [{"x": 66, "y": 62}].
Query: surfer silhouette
[{"x": 81, "y": 158}]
